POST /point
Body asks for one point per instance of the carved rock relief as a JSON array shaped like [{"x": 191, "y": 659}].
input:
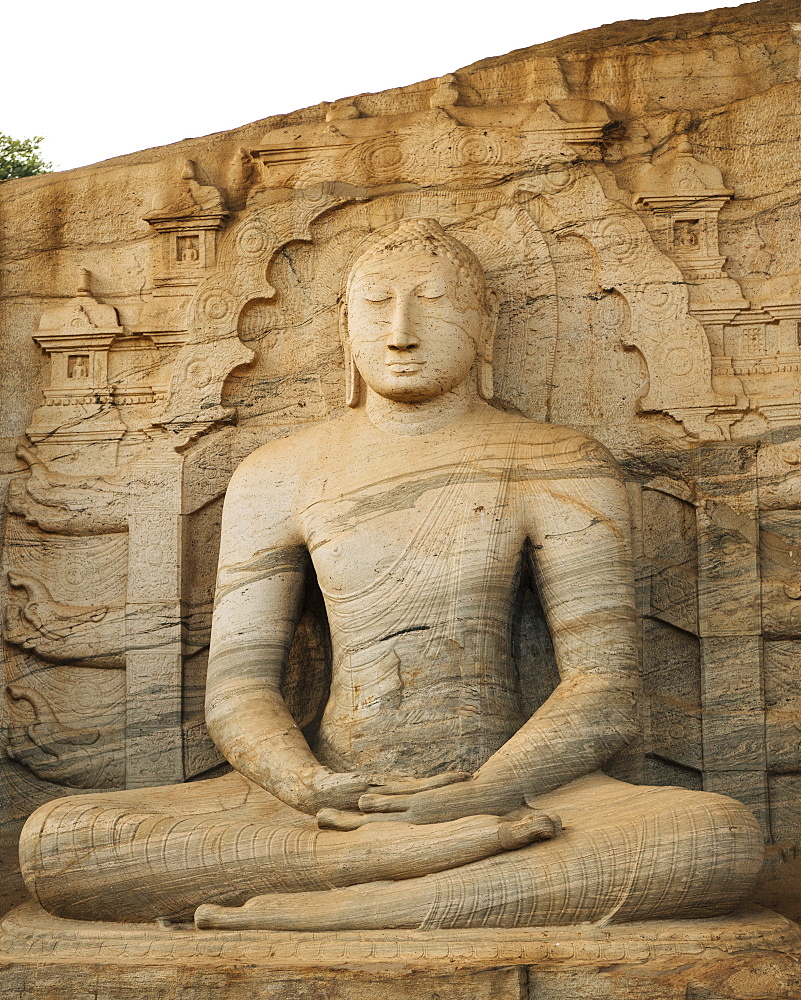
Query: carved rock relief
[
  {"x": 250, "y": 286},
  {"x": 302, "y": 343},
  {"x": 658, "y": 246},
  {"x": 718, "y": 580},
  {"x": 75, "y": 548},
  {"x": 663, "y": 256},
  {"x": 64, "y": 631},
  {"x": 67, "y": 504},
  {"x": 59, "y": 632}
]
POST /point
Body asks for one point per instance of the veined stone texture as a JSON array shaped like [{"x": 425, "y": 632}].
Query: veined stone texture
[{"x": 606, "y": 227}]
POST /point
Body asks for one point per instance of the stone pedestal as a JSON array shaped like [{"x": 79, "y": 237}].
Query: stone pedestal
[{"x": 750, "y": 955}]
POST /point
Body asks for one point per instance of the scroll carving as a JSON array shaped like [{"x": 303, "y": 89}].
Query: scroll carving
[
  {"x": 63, "y": 633},
  {"x": 63, "y": 755},
  {"x": 68, "y": 504},
  {"x": 672, "y": 342}
]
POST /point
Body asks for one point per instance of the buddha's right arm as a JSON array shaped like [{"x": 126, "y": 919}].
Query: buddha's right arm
[{"x": 257, "y": 604}]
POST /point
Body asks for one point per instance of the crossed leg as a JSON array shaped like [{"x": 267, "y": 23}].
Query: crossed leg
[
  {"x": 627, "y": 853},
  {"x": 162, "y": 852}
]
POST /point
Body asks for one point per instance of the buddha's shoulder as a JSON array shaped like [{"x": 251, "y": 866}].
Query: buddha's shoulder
[
  {"x": 295, "y": 454},
  {"x": 553, "y": 448}
]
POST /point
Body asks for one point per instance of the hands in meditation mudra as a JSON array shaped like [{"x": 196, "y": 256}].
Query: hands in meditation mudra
[{"x": 424, "y": 798}]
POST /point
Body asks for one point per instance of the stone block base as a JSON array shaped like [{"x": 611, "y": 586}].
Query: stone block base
[{"x": 750, "y": 955}]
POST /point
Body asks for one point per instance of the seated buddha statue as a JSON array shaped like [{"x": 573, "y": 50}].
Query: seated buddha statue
[{"x": 423, "y": 797}]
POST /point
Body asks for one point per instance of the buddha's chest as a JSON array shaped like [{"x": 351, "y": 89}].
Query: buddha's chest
[{"x": 435, "y": 531}]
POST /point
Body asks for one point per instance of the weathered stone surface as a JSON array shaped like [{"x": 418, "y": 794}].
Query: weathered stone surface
[
  {"x": 747, "y": 955},
  {"x": 629, "y": 195},
  {"x": 417, "y": 794}
]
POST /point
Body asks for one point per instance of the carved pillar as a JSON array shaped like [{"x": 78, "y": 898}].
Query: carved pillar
[
  {"x": 154, "y": 746},
  {"x": 730, "y": 626}
]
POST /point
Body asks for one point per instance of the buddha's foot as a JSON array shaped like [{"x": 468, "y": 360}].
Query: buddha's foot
[{"x": 412, "y": 851}]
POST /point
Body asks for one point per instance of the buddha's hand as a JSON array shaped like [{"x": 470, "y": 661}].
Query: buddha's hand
[
  {"x": 422, "y": 801},
  {"x": 410, "y": 786},
  {"x": 318, "y": 788}
]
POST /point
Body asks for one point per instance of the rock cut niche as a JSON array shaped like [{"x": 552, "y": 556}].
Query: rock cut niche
[
  {"x": 297, "y": 374},
  {"x": 592, "y": 254}
]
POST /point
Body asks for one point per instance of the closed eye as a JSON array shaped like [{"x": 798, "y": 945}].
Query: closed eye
[{"x": 432, "y": 291}]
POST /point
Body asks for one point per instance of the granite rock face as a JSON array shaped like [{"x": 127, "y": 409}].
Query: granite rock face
[{"x": 630, "y": 196}]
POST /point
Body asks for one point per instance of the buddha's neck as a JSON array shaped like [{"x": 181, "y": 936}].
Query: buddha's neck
[{"x": 395, "y": 417}]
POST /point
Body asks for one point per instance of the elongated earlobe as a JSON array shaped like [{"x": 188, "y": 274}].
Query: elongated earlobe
[
  {"x": 486, "y": 381},
  {"x": 353, "y": 381}
]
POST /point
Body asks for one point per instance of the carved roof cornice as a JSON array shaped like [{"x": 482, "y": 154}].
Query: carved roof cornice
[
  {"x": 428, "y": 146},
  {"x": 676, "y": 179},
  {"x": 80, "y": 321}
]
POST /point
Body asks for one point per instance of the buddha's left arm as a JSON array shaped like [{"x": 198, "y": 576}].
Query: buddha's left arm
[{"x": 579, "y": 527}]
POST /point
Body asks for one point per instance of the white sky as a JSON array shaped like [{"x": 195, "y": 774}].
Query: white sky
[{"x": 99, "y": 78}]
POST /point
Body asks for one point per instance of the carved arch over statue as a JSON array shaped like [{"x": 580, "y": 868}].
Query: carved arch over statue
[
  {"x": 569, "y": 200},
  {"x": 563, "y": 196},
  {"x": 330, "y": 221},
  {"x": 512, "y": 251}
]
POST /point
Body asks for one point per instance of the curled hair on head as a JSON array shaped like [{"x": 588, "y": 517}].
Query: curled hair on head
[{"x": 426, "y": 234}]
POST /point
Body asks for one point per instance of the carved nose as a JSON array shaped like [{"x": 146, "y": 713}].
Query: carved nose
[
  {"x": 402, "y": 336},
  {"x": 401, "y": 340}
]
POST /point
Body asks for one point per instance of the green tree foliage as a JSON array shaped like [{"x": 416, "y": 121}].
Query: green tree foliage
[{"x": 20, "y": 157}]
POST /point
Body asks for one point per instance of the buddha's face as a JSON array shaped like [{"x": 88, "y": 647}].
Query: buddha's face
[{"x": 415, "y": 325}]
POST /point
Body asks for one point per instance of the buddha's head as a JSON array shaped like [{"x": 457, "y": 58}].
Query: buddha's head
[{"x": 417, "y": 317}]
